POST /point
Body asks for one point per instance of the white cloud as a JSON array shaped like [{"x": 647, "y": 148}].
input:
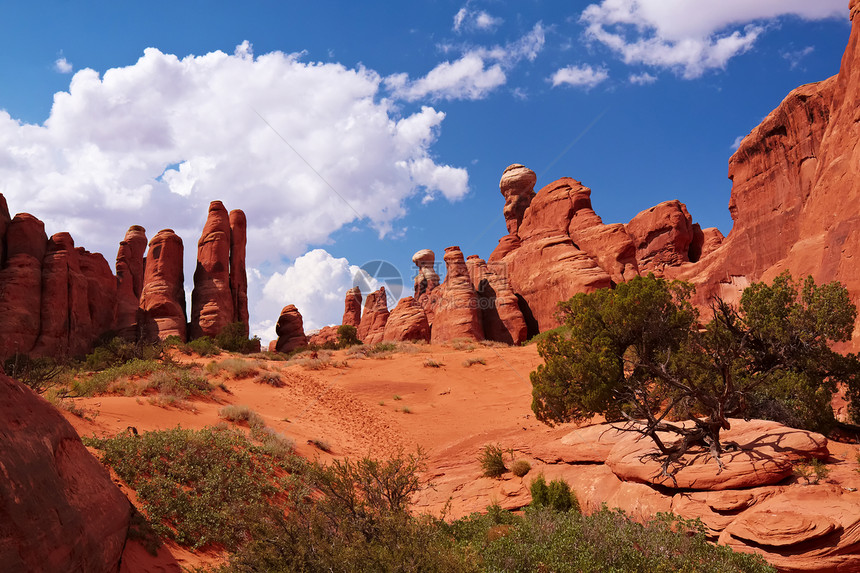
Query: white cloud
[
  {"x": 316, "y": 283},
  {"x": 63, "y": 66},
  {"x": 473, "y": 76},
  {"x": 691, "y": 37},
  {"x": 642, "y": 79},
  {"x": 466, "y": 19},
  {"x": 737, "y": 142},
  {"x": 154, "y": 142},
  {"x": 579, "y": 76},
  {"x": 795, "y": 57}
]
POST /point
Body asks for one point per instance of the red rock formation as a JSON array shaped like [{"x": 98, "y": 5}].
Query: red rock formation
[
  {"x": 238, "y": 273},
  {"x": 60, "y": 510},
  {"x": 325, "y": 335},
  {"x": 101, "y": 293},
  {"x": 211, "y": 299},
  {"x": 5, "y": 219},
  {"x": 65, "y": 326},
  {"x": 162, "y": 301},
  {"x": 456, "y": 312},
  {"x": 21, "y": 285},
  {"x": 352, "y": 307},
  {"x": 129, "y": 280},
  {"x": 501, "y": 317},
  {"x": 764, "y": 457},
  {"x": 290, "y": 330},
  {"x": 426, "y": 281},
  {"x": 372, "y": 326},
  {"x": 662, "y": 236},
  {"x": 517, "y": 187},
  {"x": 407, "y": 322}
]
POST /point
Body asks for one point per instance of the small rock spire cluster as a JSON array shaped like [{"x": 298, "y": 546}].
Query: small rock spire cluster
[{"x": 57, "y": 299}]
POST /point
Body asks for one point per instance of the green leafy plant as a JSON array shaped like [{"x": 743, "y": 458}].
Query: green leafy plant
[
  {"x": 492, "y": 461},
  {"x": 812, "y": 470},
  {"x": 557, "y": 495},
  {"x": 234, "y": 338}
]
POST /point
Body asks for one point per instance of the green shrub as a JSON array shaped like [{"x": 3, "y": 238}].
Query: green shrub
[
  {"x": 492, "y": 461},
  {"x": 347, "y": 335},
  {"x": 557, "y": 495},
  {"x": 520, "y": 468},
  {"x": 812, "y": 470},
  {"x": 101, "y": 382},
  {"x": 118, "y": 351},
  {"x": 37, "y": 373},
  {"x": 204, "y": 346},
  {"x": 178, "y": 382},
  {"x": 234, "y": 338},
  {"x": 242, "y": 414},
  {"x": 199, "y": 487}
]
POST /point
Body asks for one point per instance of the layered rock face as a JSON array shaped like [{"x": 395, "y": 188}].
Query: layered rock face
[
  {"x": 426, "y": 281},
  {"x": 79, "y": 519},
  {"x": 372, "y": 326},
  {"x": 517, "y": 187},
  {"x": 456, "y": 311},
  {"x": 212, "y": 300},
  {"x": 129, "y": 279},
  {"x": 57, "y": 299},
  {"x": 21, "y": 284},
  {"x": 501, "y": 318},
  {"x": 290, "y": 330},
  {"x": 407, "y": 322},
  {"x": 162, "y": 301},
  {"x": 238, "y": 272},
  {"x": 352, "y": 307}
]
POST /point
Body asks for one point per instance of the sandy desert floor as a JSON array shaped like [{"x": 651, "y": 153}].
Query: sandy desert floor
[{"x": 379, "y": 406}]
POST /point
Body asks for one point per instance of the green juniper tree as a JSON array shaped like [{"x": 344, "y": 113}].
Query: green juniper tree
[{"x": 638, "y": 353}]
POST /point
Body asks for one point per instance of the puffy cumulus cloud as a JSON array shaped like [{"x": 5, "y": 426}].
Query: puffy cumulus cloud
[
  {"x": 466, "y": 19},
  {"x": 691, "y": 37},
  {"x": 583, "y": 76},
  {"x": 304, "y": 148},
  {"x": 473, "y": 76},
  {"x": 642, "y": 79},
  {"x": 63, "y": 66},
  {"x": 316, "y": 283}
]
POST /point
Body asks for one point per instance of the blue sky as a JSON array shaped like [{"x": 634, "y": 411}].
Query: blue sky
[{"x": 351, "y": 132}]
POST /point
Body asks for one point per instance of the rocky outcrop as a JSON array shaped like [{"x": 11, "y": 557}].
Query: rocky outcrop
[
  {"x": 456, "y": 311},
  {"x": 501, "y": 318},
  {"x": 662, "y": 236},
  {"x": 66, "y": 327},
  {"x": 407, "y": 322},
  {"x": 129, "y": 280},
  {"x": 60, "y": 510},
  {"x": 372, "y": 326},
  {"x": 517, "y": 187},
  {"x": 327, "y": 335},
  {"x": 764, "y": 456},
  {"x": 162, "y": 301},
  {"x": 21, "y": 285},
  {"x": 101, "y": 294},
  {"x": 238, "y": 272},
  {"x": 5, "y": 219},
  {"x": 426, "y": 282},
  {"x": 211, "y": 299},
  {"x": 290, "y": 330},
  {"x": 352, "y": 307}
]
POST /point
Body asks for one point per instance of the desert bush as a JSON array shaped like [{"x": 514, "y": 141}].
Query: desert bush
[
  {"x": 234, "y": 338},
  {"x": 39, "y": 374},
  {"x": 271, "y": 378},
  {"x": 557, "y": 495},
  {"x": 520, "y": 468},
  {"x": 812, "y": 470},
  {"x": 103, "y": 381},
  {"x": 472, "y": 361},
  {"x": 204, "y": 346},
  {"x": 239, "y": 414},
  {"x": 199, "y": 487},
  {"x": 116, "y": 351},
  {"x": 239, "y": 368},
  {"x": 178, "y": 382},
  {"x": 608, "y": 540},
  {"x": 320, "y": 444},
  {"x": 347, "y": 335},
  {"x": 492, "y": 461},
  {"x": 431, "y": 363},
  {"x": 462, "y": 344}
]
